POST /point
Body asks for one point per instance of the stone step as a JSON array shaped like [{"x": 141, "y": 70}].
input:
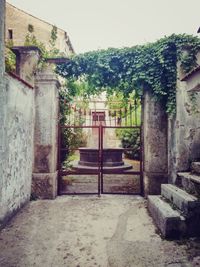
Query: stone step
[
  {"x": 169, "y": 221},
  {"x": 187, "y": 203},
  {"x": 190, "y": 182},
  {"x": 195, "y": 167}
]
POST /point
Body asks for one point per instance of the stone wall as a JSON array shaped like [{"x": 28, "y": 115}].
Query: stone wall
[
  {"x": 155, "y": 144},
  {"x": 184, "y": 128},
  {"x": 20, "y": 99},
  {"x": 18, "y": 156},
  {"x": 17, "y": 20}
]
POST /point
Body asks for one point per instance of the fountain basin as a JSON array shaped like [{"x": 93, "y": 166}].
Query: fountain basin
[{"x": 90, "y": 159}]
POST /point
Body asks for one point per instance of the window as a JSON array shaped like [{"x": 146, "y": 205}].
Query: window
[
  {"x": 10, "y": 34},
  {"x": 98, "y": 116},
  {"x": 30, "y": 28}
]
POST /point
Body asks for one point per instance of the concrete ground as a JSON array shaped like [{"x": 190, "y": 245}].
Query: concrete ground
[
  {"x": 112, "y": 183},
  {"x": 87, "y": 231}
]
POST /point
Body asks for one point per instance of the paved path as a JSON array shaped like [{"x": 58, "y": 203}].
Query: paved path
[{"x": 87, "y": 231}]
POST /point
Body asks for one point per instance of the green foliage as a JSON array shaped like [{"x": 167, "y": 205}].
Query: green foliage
[
  {"x": 192, "y": 109},
  {"x": 10, "y": 58},
  {"x": 67, "y": 94},
  {"x": 75, "y": 138},
  {"x": 31, "y": 40},
  {"x": 53, "y": 38},
  {"x": 72, "y": 139},
  {"x": 78, "y": 88},
  {"x": 147, "y": 67},
  {"x": 130, "y": 138},
  {"x": 53, "y": 51},
  {"x": 64, "y": 99},
  {"x": 128, "y": 108}
]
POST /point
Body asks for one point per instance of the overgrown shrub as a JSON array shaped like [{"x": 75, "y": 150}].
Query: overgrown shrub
[
  {"x": 130, "y": 138},
  {"x": 71, "y": 139}
]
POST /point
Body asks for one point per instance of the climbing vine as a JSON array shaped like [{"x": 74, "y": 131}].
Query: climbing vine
[
  {"x": 146, "y": 67},
  {"x": 10, "y": 58},
  {"x": 47, "y": 51}
]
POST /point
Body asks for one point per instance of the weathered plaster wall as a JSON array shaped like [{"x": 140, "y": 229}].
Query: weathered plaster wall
[
  {"x": 2, "y": 100},
  {"x": 18, "y": 104},
  {"x": 184, "y": 130},
  {"x": 2, "y": 85},
  {"x": 18, "y": 157},
  {"x": 2, "y": 32},
  {"x": 155, "y": 145}
]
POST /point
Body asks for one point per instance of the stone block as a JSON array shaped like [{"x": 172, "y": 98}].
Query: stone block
[
  {"x": 169, "y": 221},
  {"x": 187, "y": 203},
  {"x": 195, "y": 167},
  {"x": 190, "y": 183},
  {"x": 44, "y": 185},
  {"x": 153, "y": 181},
  {"x": 155, "y": 160}
]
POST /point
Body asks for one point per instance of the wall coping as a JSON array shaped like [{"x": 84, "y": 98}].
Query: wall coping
[
  {"x": 57, "y": 61},
  {"x": 190, "y": 74},
  {"x": 20, "y": 49},
  {"x": 46, "y": 78},
  {"x": 13, "y": 75}
]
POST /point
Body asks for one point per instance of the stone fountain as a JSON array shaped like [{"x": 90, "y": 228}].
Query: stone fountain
[
  {"x": 112, "y": 154},
  {"x": 111, "y": 158}
]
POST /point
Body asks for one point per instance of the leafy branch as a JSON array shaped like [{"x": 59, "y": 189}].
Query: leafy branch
[{"x": 151, "y": 67}]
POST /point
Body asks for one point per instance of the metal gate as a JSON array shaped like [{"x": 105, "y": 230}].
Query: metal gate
[
  {"x": 97, "y": 153},
  {"x": 72, "y": 178},
  {"x": 127, "y": 176}
]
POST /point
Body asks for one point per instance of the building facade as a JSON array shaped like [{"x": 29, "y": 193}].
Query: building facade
[{"x": 19, "y": 23}]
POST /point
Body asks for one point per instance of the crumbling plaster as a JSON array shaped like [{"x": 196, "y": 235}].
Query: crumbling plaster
[
  {"x": 184, "y": 127},
  {"x": 18, "y": 154}
]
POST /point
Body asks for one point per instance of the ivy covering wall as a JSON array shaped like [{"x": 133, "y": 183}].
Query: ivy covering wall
[{"x": 152, "y": 66}]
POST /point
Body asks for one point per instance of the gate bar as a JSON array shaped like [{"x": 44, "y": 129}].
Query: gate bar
[{"x": 99, "y": 163}]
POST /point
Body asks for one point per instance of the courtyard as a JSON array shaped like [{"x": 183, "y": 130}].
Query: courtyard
[
  {"x": 88, "y": 231},
  {"x": 99, "y": 145}
]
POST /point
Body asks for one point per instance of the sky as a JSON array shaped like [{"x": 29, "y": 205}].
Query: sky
[{"x": 99, "y": 24}]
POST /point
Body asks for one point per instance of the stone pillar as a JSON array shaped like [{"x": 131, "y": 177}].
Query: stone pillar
[
  {"x": 27, "y": 58},
  {"x": 155, "y": 145},
  {"x": 44, "y": 183}
]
